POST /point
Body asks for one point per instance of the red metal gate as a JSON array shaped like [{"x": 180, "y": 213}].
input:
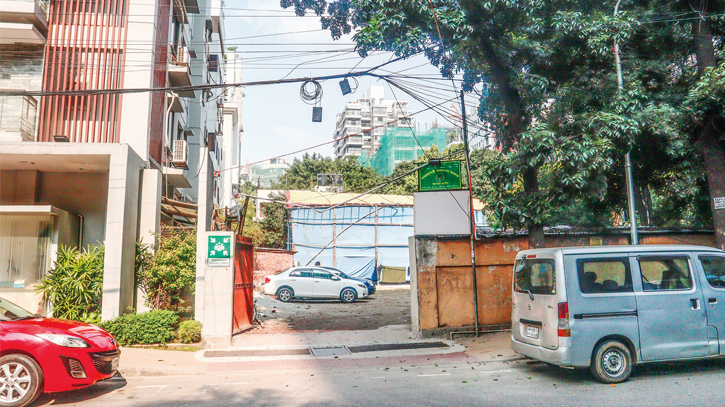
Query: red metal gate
[{"x": 243, "y": 315}]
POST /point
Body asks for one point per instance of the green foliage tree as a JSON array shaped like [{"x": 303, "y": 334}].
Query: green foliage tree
[
  {"x": 549, "y": 90},
  {"x": 74, "y": 286},
  {"x": 302, "y": 174},
  {"x": 165, "y": 275}
]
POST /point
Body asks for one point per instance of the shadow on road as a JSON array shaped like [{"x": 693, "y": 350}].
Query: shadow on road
[
  {"x": 645, "y": 371},
  {"x": 95, "y": 391}
]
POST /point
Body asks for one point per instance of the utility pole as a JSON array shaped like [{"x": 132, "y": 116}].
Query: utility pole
[
  {"x": 472, "y": 214},
  {"x": 627, "y": 157}
]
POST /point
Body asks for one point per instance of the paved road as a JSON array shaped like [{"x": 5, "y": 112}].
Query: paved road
[{"x": 493, "y": 384}]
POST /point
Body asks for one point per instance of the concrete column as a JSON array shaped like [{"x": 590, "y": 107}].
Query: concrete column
[
  {"x": 150, "y": 217},
  {"x": 121, "y": 232},
  {"x": 218, "y": 294},
  {"x": 202, "y": 226}
]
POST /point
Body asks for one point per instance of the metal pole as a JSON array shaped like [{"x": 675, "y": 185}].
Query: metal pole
[
  {"x": 472, "y": 214},
  {"x": 627, "y": 157}
]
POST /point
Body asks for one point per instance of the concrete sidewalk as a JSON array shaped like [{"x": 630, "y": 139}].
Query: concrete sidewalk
[{"x": 289, "y": 352}]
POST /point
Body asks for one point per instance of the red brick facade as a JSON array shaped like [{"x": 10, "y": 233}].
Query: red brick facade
[{"x": 270, "y": 261}]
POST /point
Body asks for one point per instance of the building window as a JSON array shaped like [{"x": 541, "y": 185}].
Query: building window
[
  {"x": 213, "y": 63},
  {"x": 18, "y": 114}
]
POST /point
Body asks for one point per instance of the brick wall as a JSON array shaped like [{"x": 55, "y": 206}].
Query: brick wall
[{"x": 270, "y": 261}]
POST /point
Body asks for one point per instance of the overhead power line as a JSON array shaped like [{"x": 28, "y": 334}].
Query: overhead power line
[{"x": 366, "y": 72}]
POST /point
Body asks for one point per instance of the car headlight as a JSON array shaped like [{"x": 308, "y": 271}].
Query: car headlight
[
  {"x": 65, "y": 340},
  {"x": 361, "y": 285}
]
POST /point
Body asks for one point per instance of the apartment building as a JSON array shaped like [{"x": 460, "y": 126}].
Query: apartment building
[
  {"x": 100, "y": 166},
  {"x": 362, "y": 123}
]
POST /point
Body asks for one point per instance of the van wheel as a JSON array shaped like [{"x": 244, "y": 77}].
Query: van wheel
[
  {"x": 612, "y": 362},
  {"x": 20, "y": 380},
  {"x": 284, "y": 294}
]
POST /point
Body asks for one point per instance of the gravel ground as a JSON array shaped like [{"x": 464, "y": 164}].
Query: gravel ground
[{"x": 390, "y": 305}]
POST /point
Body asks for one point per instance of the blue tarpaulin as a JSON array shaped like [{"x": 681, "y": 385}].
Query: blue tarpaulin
[{"x": 354, "y": 249}]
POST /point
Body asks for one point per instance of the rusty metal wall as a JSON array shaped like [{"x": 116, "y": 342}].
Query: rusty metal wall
[{"x": 445, "y": 285}]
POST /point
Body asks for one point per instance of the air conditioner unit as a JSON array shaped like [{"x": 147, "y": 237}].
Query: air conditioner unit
[
  {"x": 182, "y": 56},
  {"x": 181, "y": 154}
]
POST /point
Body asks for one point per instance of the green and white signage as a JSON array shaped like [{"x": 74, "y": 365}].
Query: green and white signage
[
  {"x": 219, "y": 252},
  {"x": 446, "y": 175}
]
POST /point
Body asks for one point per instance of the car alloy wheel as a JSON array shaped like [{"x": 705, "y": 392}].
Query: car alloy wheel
[
  {"x": 19, "y": 380},
  {"x": 284, "y": 295},
  {"x": 348, "y": 295}
]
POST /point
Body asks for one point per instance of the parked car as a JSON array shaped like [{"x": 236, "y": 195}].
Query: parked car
[
  {"x": 368, "y": 282},
  {"x": 613, "y": 307},
  {"x": 313, "y": 282},
  {"x": 50, "y": 355}
]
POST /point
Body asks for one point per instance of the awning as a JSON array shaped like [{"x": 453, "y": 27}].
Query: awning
[{"x": 171, "y": 207}]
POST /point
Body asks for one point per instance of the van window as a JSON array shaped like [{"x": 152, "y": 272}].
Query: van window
[
  {"x": 535, "y": 275},
  {"x": 714, "y": 267},
  {"x": 661, "y": 273},
  {"x": 604, "y": 275}
]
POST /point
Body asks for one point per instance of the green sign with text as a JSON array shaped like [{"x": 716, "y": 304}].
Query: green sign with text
[
  {"x": 446, "y": 175},
  {"x": 219, "y": 251}
]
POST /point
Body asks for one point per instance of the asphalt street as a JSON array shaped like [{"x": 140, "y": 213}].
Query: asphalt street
[{"x": 519, "y": 383}]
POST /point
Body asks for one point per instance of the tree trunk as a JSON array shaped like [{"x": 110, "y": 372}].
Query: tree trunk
[
  {"x": 713, "y": 154},
  {"x": 709, "y": 145},
  {"x": 640, "y": 204},
  {"x": 531, "y": 187}
]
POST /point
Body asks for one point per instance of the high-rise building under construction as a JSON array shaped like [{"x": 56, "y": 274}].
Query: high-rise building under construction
[{"x": 361, "y": 124}]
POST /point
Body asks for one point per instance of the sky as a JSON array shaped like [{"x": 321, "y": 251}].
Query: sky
[{"x": 276, "y": 121}]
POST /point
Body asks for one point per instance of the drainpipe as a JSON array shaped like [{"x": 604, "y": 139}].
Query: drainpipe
[
  {"x": 80, "y": 232},
  {"x": 472, "y": 214}
]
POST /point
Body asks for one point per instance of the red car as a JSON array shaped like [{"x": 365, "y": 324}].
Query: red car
[{"x": 50, "y": 355}]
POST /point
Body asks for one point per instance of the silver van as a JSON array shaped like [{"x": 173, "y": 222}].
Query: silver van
[{"x": 612, "y": 307}]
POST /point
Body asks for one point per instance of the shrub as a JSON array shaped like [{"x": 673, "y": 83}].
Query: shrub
[
  {"x": 156, "y": 326},
  {"x": 190, "y": 331},
  {"x": 165, "y": 275},
  {"x": 73, "y": 287}
]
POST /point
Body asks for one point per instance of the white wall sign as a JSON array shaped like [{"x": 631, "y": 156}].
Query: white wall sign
[
  {"x": 719, "y": 202},
  {"x": 218, "y": 262}
]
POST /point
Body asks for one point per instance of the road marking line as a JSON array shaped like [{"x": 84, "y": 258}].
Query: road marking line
[
  {"x": 156, "y": 386},
  {"x": 436, "y": 374},
  {"x": 496, "y": 371},
  {"x": 378, "y": 377}
]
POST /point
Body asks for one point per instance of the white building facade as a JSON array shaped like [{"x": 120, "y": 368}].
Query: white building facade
[
  {"x": 100, "y": 166},
  {"x": 361, "y": 124}
]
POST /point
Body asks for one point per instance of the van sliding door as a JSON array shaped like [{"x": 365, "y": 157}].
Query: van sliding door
[
  {"x": 712, "y": 279},
  {"x": 671, "y": 313}
]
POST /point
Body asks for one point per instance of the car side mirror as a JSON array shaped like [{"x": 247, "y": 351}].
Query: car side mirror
[{"x": 335, "y": 278}]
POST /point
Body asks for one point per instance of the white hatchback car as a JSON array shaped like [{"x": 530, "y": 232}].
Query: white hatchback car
[{"x": 313, "y": 282}]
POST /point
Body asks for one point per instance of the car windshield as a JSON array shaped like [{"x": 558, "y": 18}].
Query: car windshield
[{"x": 11, "y": 312}]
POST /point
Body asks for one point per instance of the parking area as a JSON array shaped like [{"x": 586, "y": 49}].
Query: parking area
[{"x": 390, "y": 305}]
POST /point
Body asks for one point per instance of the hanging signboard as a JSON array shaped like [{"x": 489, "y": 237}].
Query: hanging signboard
[
  {"x": 445, "y": 175},
  {"x": 219, "y": 251}
]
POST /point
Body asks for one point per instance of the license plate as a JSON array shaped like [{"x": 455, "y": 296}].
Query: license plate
[
  {"x": 532, "y": 332},
  {"x": 114, "y": 363}
]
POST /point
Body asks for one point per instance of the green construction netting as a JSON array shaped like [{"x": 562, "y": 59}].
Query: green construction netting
[{"x": 399, "y": 144}]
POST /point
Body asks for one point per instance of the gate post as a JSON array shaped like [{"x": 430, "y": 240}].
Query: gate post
[{"x": 218, "y": 288}]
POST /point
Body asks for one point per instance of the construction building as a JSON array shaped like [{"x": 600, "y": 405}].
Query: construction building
[
  {"x": 362, "y": 123},
  {"x": 399, "y": 144},
  {"x": 96, "y": 165}
]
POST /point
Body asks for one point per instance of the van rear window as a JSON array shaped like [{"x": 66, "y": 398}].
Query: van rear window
[{"x": 535, "y": 275}]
